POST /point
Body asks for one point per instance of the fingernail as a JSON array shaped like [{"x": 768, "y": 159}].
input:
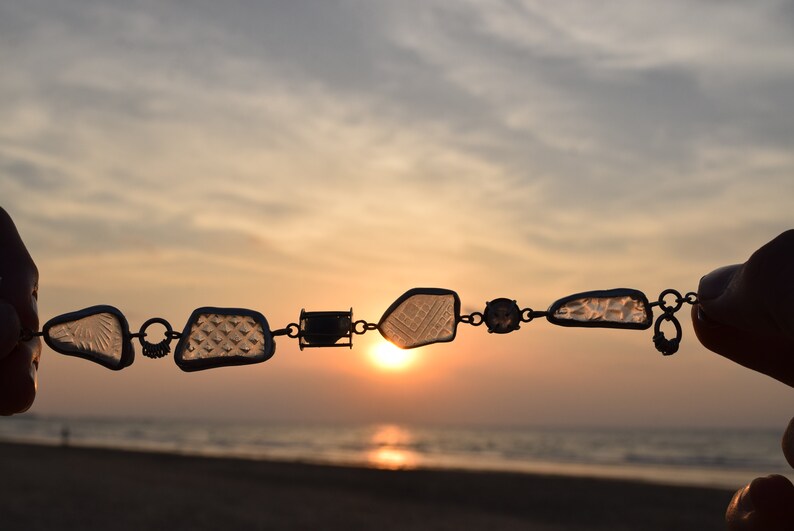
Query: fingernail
[
  {"x": 705, "y": 320},
  {"x": 714, "y": 284}
]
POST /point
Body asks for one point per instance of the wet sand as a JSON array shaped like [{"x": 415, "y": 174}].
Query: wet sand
[{"x": 45, "y": 487}]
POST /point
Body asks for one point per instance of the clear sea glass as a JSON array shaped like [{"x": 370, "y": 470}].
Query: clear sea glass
[
  {"x": 99, "y": 337},
  {"x": 214, "y": 335},
  {"x": 420, "y": 320},
  {"x": 618, "y": 310}
]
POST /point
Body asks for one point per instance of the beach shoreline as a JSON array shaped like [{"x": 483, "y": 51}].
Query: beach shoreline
[{"x": 51, "y": 487}]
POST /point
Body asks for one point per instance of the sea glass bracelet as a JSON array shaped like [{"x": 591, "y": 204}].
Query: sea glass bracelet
[{"x": 218, "y": 337}]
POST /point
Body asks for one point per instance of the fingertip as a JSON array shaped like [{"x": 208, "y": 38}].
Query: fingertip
[
  {"x": 714, "y": 284},
  {"x": 18, "y": 378},
  {"x": 788, "y": 443}
]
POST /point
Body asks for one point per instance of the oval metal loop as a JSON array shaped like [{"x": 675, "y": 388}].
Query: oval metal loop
[
  {"x": 662, "y": 344},
  {"x": 156, "y": 350},
  {"x": 527, "y": 315},
  {"x": 691, "y": 298},
  {"x": 666, "y": 308}
]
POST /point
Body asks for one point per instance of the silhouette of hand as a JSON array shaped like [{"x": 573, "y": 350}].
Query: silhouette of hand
[
  {"x": 746, "y": 313},
  {"x": 19, "y": 360}
]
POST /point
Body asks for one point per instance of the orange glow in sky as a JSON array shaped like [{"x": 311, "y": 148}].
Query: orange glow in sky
[{"x": 388, "y": 357}]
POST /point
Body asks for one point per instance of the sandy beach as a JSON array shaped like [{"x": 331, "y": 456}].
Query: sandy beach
[{"x": 79, "y": 488}]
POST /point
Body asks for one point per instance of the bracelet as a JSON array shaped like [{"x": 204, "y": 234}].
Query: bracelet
[{"x": 218, "y": 337}]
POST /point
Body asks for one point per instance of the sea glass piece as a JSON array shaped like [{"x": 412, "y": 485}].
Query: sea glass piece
[
  {"x": 421, "y": 316},
  {"x": 616, "y": 308},
  {"x": 99, "y": 333},
  {"x": 219, "y": 337}
]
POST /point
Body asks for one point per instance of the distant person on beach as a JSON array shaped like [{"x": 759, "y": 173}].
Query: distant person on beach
[
  {"x": 19, "y": 360},
  {"x": 745, "y": 313}
]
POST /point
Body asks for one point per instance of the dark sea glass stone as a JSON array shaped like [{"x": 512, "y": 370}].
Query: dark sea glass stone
[
  {"x": 99, "y": 334},
  {"x": 421, "y": 316},
  {"x": 615, "y": 308},
  {"x": 502, "y": 316},
  {"x": 221, "y": 337},
  {"x": 326, "y": 329}
]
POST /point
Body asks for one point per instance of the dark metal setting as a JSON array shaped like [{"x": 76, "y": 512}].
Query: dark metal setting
[
  {"x": 156, "y": 350},
  {"x": 502, "y": 316},
  {"x": 326, "y": 329}
]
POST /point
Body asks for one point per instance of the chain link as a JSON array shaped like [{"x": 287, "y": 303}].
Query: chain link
[
  {"x": 473, "y": 319},
  {"x": 365, "y": 327},
  {"x": 669, "y": 309}
]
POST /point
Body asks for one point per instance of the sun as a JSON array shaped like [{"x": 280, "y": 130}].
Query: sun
[{"x": 391, "y": 358}]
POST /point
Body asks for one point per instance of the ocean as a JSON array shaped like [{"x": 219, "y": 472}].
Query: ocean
[{"x": 705, "y": 457}]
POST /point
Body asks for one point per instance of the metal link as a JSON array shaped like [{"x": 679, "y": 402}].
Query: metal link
[
  {"x": 664, "y": 345},
  {"x": 365, "y": 327},
  {"x": 156, "y": 350},
  {"x": 666, "y": 308},
  {"x": 528, "y": 315},
  {"x": 473, "y": 319},
  {"x": 26, "y": 334},
  {"x": 293, "y": 330}
]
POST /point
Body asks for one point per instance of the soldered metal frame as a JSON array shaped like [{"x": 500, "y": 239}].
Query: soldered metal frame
[
  {"x": 340, "y": 340},
  {"x": 609, "y": 293},
  {"x": 201, "y": 364},
  {"x": 127, "y": 349},
  {"x": 423, "y": 291}
]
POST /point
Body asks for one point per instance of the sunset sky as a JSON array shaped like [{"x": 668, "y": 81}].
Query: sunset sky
[{"x": 161, "y": 156}]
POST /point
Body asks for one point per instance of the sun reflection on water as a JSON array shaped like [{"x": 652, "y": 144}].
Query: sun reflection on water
[{"x": 391, "y": 448}]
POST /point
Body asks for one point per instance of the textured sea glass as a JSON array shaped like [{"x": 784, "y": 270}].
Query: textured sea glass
[
  {"x": 629, "y": 310},
  {"x": 421, "y": 319},
  {"x": 99, "y": 337},
  {"x": 215, "y": 335}
]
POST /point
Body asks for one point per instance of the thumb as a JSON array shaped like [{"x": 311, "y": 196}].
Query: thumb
[{"x": 746, "y": 311}]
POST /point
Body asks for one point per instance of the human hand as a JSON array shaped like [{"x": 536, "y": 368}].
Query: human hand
[
  {"x": 19, "y": 360},
  {"x": 746, "y": 313},
  {"x": 766, "y": 504}
]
